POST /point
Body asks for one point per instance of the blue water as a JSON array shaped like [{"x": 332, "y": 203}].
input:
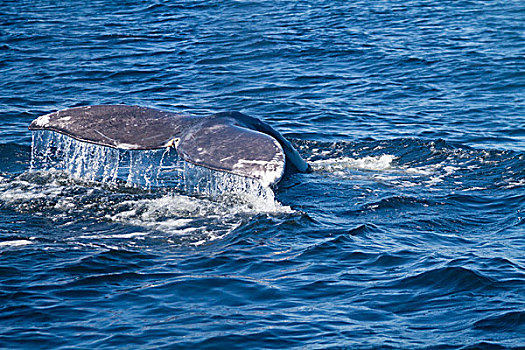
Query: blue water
[{"x": 409, "y": 233}]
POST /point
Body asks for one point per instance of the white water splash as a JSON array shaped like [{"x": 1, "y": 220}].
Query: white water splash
[
  {"x": 183, "y": 215},
  {"x": 168, "y": 217},
  {"x": 383, "y": 168},
  {"x": 383, "y": 162}
]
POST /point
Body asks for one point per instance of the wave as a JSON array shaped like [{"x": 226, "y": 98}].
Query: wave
[{"x": 511, "y": 320}]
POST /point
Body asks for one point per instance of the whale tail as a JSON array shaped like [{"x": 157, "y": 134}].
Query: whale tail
[{"x": 230, "y": 142}]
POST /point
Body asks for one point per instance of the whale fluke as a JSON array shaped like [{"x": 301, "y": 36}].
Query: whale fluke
[{"x": 230, "y": 141}]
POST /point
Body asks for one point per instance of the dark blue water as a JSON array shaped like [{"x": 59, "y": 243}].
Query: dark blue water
[{"x": 408, "y": 234}]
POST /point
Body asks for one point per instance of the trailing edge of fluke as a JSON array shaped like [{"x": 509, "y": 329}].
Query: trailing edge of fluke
[{"x": 230, "y": 141}]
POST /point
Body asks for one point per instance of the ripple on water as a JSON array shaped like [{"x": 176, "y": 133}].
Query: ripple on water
[{"x": 407, "y": 234}]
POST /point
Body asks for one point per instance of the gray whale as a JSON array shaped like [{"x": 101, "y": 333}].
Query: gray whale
[{"x": 229, "y": 141}]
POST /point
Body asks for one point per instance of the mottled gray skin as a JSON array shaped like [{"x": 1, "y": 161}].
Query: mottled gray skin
[
  {"x": 293, "y": 159},
  {"x": 229, "y": 141}
]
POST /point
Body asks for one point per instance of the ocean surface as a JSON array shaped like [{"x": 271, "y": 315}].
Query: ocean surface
[{"x": 408, "y": 234}]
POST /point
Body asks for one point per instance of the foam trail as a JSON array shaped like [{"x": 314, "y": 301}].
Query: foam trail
[{"x": 383, "y": 162}]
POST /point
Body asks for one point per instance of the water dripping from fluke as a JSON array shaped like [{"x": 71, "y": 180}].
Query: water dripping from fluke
[{"x": 142, "y": 169}]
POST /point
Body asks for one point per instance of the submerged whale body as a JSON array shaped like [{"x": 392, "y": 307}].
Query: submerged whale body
[{"x": 231, "y": 142}]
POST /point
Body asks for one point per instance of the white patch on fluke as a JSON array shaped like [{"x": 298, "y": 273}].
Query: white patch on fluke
[
  {"x": 65, "y": 119},
  {"x": 43, "y": 120},
  {"x": 127, "y": 146},
  {"x": 267, "y": 172},
  {"x": 173, "y": 143}
]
